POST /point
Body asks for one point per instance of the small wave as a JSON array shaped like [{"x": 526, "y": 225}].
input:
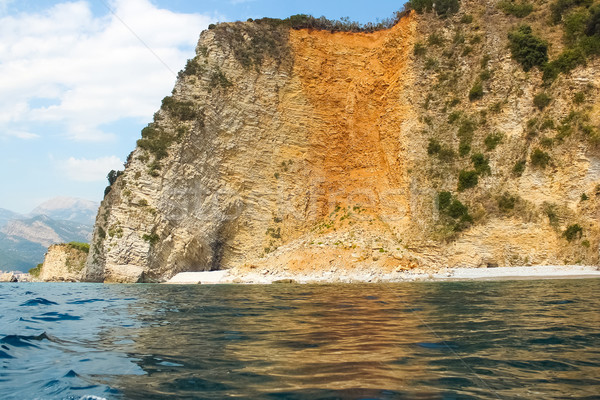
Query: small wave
[
  {"x": 5, "y": 355},
  {"x": 84, "y": 301},
  {"x": 22, "y": 340},
  {"x": 55, "y": 316},
  {"x": 39, "y": 301},
  {"x": 90, "y": 397}
]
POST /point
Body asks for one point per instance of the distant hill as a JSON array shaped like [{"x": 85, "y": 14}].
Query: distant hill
[
  {"x": 24, "y": 239},
  {"x": 68, "y": 209}
]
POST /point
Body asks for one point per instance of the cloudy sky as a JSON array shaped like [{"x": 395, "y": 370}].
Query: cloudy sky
[{"x": 79, "y": 79}]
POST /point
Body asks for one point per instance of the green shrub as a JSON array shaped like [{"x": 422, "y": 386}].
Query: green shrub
[
  {"x": 218, "y": 78},
  {"x": 182, "y": 110},
  {"x": 446, "y": 154},
  {"x": 444, "y": 200},
  {"x": 152, "y": 238},
  {"x": 467, "y": 180},
  {"x": 85, "y": 247},
  {"x": 476, "y": 91},
  {"x": 443, "y": 8},
  {"x": 519, "y": 168},
  {"x": 192, "y": 68},
  {"x": 506, "y": 202},
  {"x": 481, "y": 164},
  {"x": 565, "y": 62},
  {"x": 541, "y": 100},
  {"x": 453, "y": 211},
  {"x": 527, "y": 49},
  {"x": 433, "y": 147},
  {"x": 551, "y": 212},
  {"x": 584, "y": 197},
  {"x": 435, "y": 39},
  {"x": 430, "y": 63},
  {"x": 35, "y": 272},
  {"x": 466, "y": 19},
  {"x": 579, "y": 98},
  {"x": 485, "y": 75},
  {"x": 454, "y": 116},
  {"x": 519, "y": 10},
  {"x": 540, "y": 158},
  {"x": 464, "y": 147},
  {"x": 575, "y": 25},
  {"x": 573, "y": 232},
  {"x": 492, "y": 140},
  {"x": 546, "y": 142},
  {"x": 419, "y": 49},
  {"x": 559, "y": 7},
  {"x": 155, "y": 141},
  {"x": 593, "y": 23}
]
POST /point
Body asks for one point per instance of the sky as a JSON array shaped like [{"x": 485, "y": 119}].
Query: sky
[{"x": 79, "y": 79}]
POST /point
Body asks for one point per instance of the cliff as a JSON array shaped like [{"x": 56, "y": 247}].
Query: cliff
[
  {"x": 427, "y": 144},
  {"x": 63, "y": 262}
]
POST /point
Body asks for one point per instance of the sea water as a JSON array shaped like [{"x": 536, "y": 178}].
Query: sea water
[{"x": 450, "y": 340}]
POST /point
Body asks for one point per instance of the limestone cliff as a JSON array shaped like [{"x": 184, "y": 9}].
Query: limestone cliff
[
  {"x": 63, "y": 262},
  {"x": 425, "y": 144}
]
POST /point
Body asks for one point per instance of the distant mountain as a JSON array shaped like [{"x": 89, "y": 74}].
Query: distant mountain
[
  {"x": 17, "y": 254},
  {"x": 68, "y": 209},
  {"x": 25, "y": 239},
  {"x": 6, "y": 215},
  {"x": 46, "y": 231}
]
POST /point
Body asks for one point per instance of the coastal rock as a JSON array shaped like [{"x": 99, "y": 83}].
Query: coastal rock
[
  {"x": 63, "y": 263},
  {"x": 8, "y": 277},
  {"x": 314, "y": 149}
]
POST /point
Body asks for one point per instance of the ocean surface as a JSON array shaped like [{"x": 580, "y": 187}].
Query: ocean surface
[{"x": 444, "y": 340}]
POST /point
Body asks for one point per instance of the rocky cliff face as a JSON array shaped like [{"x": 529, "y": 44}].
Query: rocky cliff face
[
  {"x": 419, "y": 145},
  {"x": 63, "y": 262}
]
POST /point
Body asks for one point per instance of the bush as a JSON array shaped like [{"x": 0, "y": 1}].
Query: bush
[
  {"x": 192, "y": 68},
  {"x": 541, "y": 100},
  {"x": 152, "y": 238},
  {"x": 572, "y": 232},
  {"x": 443, "y": 8},
  {"x": 446, "y": 154},
  {"x": 218, "y": 78},
  {"x": 454, "y": 116},
  {"x": 451, "y": 207},
  {"x": 466, "y": 19},
  {"x": 467, "y": 180},
  {"x": 540, "y": 158},
  {"x": 492, "y": 140},
  {"x": 481, "y": 164},
  {"x": 593, "y": 23},
  {"x": 182, "y": 110},
  {"x": 527, "y": 49},
  {"x": 85, "y": 247},
  {"x": 419, "y": 49},
  {"x": 519, "y": 168},
  {"x": 519, "y": 10},
  {"x": 444, "y": 200},
  {"x": 506, "y": 202},
  {"x": 35, "y": 272},
  {"x": 155, "y": 141},
  {"x": 559, "y": 7},
  {"x": 433, "y": 147},
  {"x": 435, "y": 39},
  {"x": 476, "y": 91}
]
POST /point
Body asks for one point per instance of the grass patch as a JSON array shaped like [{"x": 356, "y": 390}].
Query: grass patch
[
  {"x": 573, "y": 232},
  {"x": 492, "y": 140}
]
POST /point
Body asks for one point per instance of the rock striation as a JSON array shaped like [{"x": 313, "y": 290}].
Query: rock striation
[{"x": 415, "y": 146}]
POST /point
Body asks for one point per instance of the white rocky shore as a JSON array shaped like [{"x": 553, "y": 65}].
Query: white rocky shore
[{"x": 359, "y": 275}]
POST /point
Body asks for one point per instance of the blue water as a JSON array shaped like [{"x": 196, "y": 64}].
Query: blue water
[{"x": 470, "y": 340}]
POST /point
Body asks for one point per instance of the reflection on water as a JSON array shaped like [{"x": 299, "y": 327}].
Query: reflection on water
[{"x": 477, "y": 340}]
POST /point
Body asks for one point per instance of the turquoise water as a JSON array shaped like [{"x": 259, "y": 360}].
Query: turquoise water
[{"x": 455, "y": 340}]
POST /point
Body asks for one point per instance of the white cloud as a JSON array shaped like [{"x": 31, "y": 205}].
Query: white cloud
[
  {"x": 83, "y": 170},
  {"x": 93, "y": 68},
  {"x": 22, "y": 134}
]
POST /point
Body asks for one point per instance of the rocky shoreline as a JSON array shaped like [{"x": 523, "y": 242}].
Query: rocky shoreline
[{"x": 264, "y": 276}]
